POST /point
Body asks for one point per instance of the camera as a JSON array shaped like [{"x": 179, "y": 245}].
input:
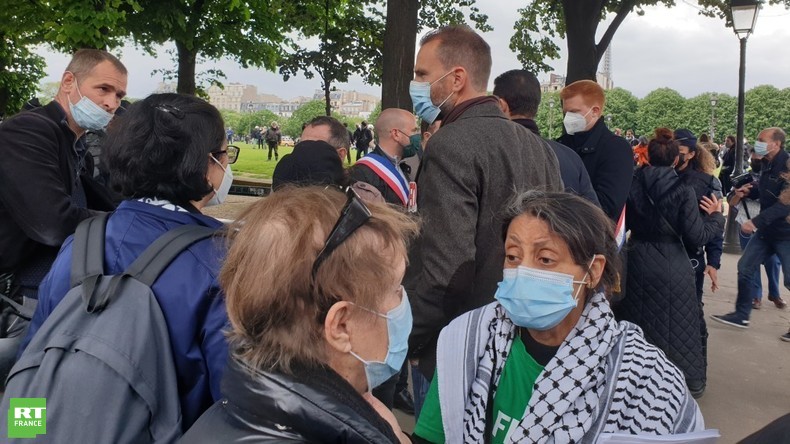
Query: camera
[{"x": 741, "y": 180}]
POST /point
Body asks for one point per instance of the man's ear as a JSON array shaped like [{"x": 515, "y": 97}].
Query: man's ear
[
  {"x": 504, "y": 106},
  {"x": 68, "y": 82},
  {"x": 336, "y": 327},
  {"x": 342, "y": 152},
  {"x": 460, "y": 78},
  {"x": 597, "y": 111}
]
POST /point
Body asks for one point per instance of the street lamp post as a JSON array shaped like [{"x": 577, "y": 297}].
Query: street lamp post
[
  {"x": 744, "y": 16},
  {"x": 551, "y": 118},
  {"x": 713, "y": 101}
]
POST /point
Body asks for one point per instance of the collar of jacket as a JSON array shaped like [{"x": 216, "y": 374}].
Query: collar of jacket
[
  {"x": 404, "y": 167},
  {"x": 529, "y": 124},
  {"x": 317, "y": 404},
  {"x": 483, "y": 106},
  {"x": 587, "y": 141},
  {"x": 57, "y": 114},
  {"x": 175, "y": 217}
]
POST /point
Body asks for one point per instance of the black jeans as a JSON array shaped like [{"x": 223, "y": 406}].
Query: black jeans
[{"x": 273, "y": 146}]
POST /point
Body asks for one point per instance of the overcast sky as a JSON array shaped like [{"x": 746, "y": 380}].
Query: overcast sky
[{"x": 675, "y": 48}]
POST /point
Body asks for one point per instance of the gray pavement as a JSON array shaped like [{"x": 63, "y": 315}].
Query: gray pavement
[{"x": 748, "y": 370}]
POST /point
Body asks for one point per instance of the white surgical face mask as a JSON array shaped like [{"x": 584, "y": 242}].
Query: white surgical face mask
[
  {"x": 575, "y": 122},
  {"x": 222, "y": 193}
]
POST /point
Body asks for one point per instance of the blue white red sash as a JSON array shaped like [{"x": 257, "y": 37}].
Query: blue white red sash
[
  {"x": 619, "y": 231},
  {"x": 389, "y": 173}
]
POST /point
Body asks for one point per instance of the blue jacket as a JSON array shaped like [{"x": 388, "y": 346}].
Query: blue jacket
[{"x": 187, "y": 291}]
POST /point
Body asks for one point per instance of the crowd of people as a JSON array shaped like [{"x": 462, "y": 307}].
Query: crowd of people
[{"x": 490, "y": 264}]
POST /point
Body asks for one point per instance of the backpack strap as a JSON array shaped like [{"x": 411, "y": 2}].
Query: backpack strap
[
  {"x": 87, "y": 251},
  {"x": 153, "y": 261}
]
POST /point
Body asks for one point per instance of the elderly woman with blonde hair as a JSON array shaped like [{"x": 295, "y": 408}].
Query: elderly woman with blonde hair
[{"x": 312, "y": 333}]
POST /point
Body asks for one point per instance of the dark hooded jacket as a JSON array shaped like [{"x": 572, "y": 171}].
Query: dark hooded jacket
[
  {"x": 316, "y": 406},
  {"x": 660, "y": 293}
]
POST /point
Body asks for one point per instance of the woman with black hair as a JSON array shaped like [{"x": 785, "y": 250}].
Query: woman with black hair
[
  {"x": 664, "y": 217},
  {"x": 169, "y": 158}
]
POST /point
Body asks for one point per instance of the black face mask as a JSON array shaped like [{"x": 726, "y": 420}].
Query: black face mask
[{"x": 681, "y": 161}]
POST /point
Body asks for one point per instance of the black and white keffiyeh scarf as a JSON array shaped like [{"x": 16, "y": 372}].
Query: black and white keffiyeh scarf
[{"x": 604, "y": 378}]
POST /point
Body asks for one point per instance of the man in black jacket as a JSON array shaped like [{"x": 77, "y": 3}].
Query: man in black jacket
[
  {"x": 43, "y": 194},
  {"x": 519, "y": 97},
  {"x": 384, "y": 167},
  {"x": 608, "y": 158},
  {"x": 362, "y": 137},
  {"x": 771, "y": 229}
]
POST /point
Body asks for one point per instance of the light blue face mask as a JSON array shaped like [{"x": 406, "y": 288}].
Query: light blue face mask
[
  {"x": 420, "y": 93},
  {"x": 88, "y": 115},
  {"x": 537, "y": 299},
  {"x": 760, "y": 148},
  {"x": 399, "y": 323}
]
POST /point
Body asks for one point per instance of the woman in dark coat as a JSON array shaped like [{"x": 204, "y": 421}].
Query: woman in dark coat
[{"x": 661, "y": 295}]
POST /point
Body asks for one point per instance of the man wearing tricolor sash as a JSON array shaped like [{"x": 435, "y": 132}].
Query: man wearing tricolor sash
[{"x": 399, "y": 138}]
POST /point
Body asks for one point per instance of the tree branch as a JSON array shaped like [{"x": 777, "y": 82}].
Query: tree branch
[{"x": 625, "y": 8}]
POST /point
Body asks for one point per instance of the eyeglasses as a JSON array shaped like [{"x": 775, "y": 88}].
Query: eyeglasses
[
  {"x": 353, "y": 215},
  {"x": 232, "y": 152}
]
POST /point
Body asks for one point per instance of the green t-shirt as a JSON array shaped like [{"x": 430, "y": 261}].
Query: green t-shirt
[{"x": 510, "y": 403}]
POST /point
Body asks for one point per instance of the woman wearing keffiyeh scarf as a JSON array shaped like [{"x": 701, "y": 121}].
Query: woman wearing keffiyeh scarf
[{"x": 547, "y": 362}]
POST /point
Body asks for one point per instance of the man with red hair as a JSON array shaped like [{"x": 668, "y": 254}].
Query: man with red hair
[{"x": 607, "y": 157}]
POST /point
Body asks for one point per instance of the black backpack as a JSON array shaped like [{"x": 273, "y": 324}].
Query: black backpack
[{"x": 102, "y": 359}]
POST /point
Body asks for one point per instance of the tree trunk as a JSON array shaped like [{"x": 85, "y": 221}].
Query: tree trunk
[
  {"x": 186, "y": 69},
  {"x": 327, "y": 100},
  {"x": 400, "y": 38},
  {"x": 581, "y": 22}
]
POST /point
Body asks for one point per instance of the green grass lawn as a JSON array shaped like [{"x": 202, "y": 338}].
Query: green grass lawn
[{"x": 252, "y": 161}]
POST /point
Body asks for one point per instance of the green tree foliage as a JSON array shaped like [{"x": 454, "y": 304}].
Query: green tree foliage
[
  {"x": 20, "y": 69},
  {"x": 350, "y": 34},
  {"x": 662, "y": 107},
  {"x": 69, "y": 25},
  {"x": 305, "y": 113},
  {"x": 765, "y": 107},
  {"x": 247, "y": 31},
  {"x": 20, "y": 72},
  {"x": 549, "y": 118},
  {"x": 622, "y": 106},
  {"x": 262, "y": 118}
]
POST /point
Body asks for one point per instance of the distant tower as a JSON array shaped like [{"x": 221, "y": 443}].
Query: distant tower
[{"x": 605, "y": 75}]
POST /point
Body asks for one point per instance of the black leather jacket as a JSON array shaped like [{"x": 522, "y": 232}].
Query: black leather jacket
[{"x": 315, "y": 406}]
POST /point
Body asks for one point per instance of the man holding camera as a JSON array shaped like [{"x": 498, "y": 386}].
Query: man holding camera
[{"x": 771, "y": 229}]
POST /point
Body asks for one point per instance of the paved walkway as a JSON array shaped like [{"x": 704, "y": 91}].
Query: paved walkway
[{"x": 748, "y": 370}]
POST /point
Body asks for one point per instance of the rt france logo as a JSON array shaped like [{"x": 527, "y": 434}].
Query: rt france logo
[{"x": 27, "y": 417}]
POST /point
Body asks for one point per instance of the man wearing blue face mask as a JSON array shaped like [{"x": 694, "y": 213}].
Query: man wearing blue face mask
[
  {"x": 469, "y": 169},
  {"x": 44, "y": 175},
  {"x": 770, "y": 231},
  {"x": 399, "y": 138}
]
